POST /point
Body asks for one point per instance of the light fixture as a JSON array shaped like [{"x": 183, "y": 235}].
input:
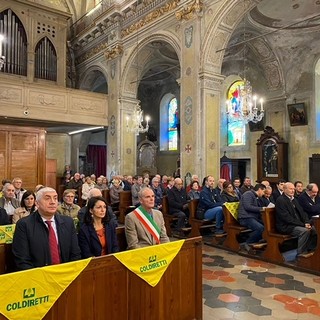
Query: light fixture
[
  {"x": 84, "y": 130},
  {"x": 134, "y": 124},
  {"x": 2, "y": 58},
  {"x": 242, "y": 104}
]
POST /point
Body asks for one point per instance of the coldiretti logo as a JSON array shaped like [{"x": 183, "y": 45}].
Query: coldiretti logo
[
  {"x": 153, "y": 264},
  {"x": 28, "y": 300},
  {"x": 8, "y": 228}
]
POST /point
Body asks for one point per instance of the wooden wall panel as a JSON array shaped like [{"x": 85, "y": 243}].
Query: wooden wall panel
[{"x": 22, "y": 154}]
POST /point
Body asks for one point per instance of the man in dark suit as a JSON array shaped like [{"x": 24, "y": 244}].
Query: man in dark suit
[
  {"x": 279, "y": 189},
  {"x": 32, "y": 246},
  {"x": 310, "y": 201},
  {"x": 291, "y": 219},
  {"x": 178, "y": 203}
]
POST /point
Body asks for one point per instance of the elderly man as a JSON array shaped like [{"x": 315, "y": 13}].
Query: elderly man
[
  {"x": 155, "y": 186},
  {"x": 137, "y": 186},
  {"x": 210, "y": 204},
  {"x": 75, "y": 182},
  {"x": 19, "y": 191},
  {"x": 8, "y": 200},
  {"x": 309, "y": 200},
  {"x": 291, "y": 219},
  {"x": 178, "y": 203},
  {"x": 45, "y": 238},
  {"x": 145, "y": 226}
]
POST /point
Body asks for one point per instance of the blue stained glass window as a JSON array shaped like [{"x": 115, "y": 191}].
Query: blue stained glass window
[
  {"x": 173, "y": 124},
  {"x": 236, "y": 128}
]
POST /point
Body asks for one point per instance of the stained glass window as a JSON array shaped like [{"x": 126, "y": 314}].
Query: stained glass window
[
  {"x": 173, "y": 124},
  {"x": 236, "y": 128}
]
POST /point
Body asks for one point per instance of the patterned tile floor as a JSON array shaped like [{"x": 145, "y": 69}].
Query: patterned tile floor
[{"x": 236, "y": 287}]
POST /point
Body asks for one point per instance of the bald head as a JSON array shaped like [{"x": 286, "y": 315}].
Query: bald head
[
  {"x": 94, "y": 193},
  {"x": 288, "y": 189},
  {"x": 178, "y": 183}
]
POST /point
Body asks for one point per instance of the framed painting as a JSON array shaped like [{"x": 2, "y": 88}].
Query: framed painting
[{"x": 297, "y": 114}]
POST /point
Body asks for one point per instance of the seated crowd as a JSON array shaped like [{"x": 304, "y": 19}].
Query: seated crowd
[{"x": 91, "y": 230}]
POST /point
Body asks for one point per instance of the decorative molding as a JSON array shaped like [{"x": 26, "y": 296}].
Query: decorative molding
[
  {"x": 149, "y": 18},
  {"x": 187, "y": 13},
  {"x": 188, "y": 110},
  {"x": 92, "y": 52},
  {"x": 188, "y": 149},
  {"x": 114, "y": 52},
  {"x": 188, "y": 36},
  {"x": 112, "y": 125}
]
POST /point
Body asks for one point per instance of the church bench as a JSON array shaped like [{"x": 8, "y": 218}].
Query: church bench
[
  {"x": 232, "y": 227},
  {"x": 125, "y": 205},
  {"x": 197, "y": 224},
  {"x": 167, "y": 217},
  {"x": 121, "y": 237},
  {"x": 273, "y": 237}
]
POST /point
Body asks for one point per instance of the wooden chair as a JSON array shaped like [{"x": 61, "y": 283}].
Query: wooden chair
[
  {"x": 273, "y": 238},
  {"x": 232, "y": 227},
  {"x": 168, "y": 218},
  {"x": 125, "y": 205},
  {"x": 197, "y": 224}
]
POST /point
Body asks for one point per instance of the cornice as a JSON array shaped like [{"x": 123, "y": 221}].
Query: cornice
[{"x": 188, "y": 12}]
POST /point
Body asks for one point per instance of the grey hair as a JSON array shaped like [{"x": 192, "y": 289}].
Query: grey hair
[
  {"x": 42, "y": 191},
  {"x": 142, "y": 191}
]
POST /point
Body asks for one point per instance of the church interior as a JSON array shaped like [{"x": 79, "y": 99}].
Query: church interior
[{"x": 172, "y": 87}]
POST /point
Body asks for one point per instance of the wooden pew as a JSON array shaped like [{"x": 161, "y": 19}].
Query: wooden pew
[
  {"x": 125, "y": 205},
  {"x": 274, "y": 239},
  {"x": 197, "y": 224},
  {"x": 232, "y": 227},
  {"x": 168, "y": 218},
  {"x": 121, "y": 237},
  {"x": 172, "y": 298},
  {"x": 106, "y": 195}
]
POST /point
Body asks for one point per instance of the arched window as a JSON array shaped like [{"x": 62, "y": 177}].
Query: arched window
[
  {"x": 14, "y": 46},
  {"x": 317, "y": 99},
  {"x": 236, "y": 127},
  {"x": 169, "y": 123},
  {"x": 173, "y": 124},
  {"x": 45, "y": 60}
]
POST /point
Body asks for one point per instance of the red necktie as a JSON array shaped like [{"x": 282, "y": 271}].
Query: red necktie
[{"x": 53, "y": 244}]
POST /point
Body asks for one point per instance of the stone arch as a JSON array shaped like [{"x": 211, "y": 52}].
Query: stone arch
[
  {"x": 94, "y": 79},
  {"x": 129, "y": 84},
  {"x": 221, "y": 31}
]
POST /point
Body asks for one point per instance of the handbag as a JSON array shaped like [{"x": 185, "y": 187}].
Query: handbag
[{"x": 200, "y": 213}]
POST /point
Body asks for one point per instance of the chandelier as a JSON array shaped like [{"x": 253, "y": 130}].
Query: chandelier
[
  {"x": 242, "y": 105},
  {"x": 134, "y": 123},
  {"x": 2, "y": 58}
]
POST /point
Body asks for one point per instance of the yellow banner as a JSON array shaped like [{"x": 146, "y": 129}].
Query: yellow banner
[
  {"x": 6, "y": 233},
  {"x": 30, "y": 294},
  {"x": 150, "y": 263},
  {"x": 233, "y": 207}
]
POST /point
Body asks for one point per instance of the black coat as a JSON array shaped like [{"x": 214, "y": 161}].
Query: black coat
[
  {"x": 287, "y": 218},
  {"x": 176, "y": 199},
  {"x": 4, "y": 219},
  {"x": 31, "y": 241},
  {"x": 89, "y": 242},
  {"x": 310, "y": 207}
]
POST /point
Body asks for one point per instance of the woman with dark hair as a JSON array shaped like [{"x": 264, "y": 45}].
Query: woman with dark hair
[
  {"x": 228, "y": 194},
  {"x": 194, "y": 192},
  {"x": 97, "y": 235},
  {"x": 27, "y": 206}
]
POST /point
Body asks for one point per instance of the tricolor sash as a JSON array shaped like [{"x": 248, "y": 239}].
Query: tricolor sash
[{"x": 145, "y": 218}]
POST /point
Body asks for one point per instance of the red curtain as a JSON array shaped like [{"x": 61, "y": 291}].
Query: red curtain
[
  {"x": 225, "y": 172},
  {"x": 97, "y": 156}
]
